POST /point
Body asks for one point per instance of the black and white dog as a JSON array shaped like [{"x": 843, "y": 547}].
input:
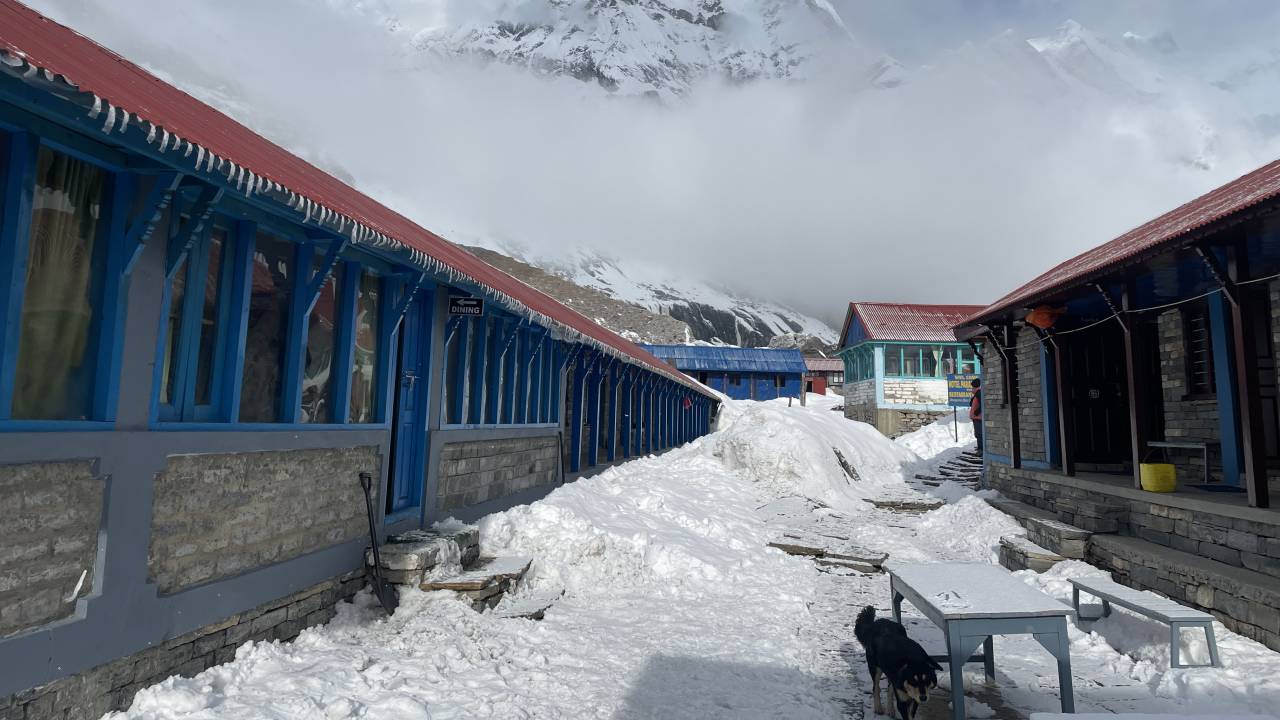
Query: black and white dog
[{"x": 909, "y": 669}]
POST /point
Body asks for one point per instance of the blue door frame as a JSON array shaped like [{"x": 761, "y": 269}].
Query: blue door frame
[{"x": 409, "y": 425}]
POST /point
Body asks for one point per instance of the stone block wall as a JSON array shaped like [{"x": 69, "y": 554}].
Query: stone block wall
[
  {"x": 111, "y": 687},
  {"x": 995, "y": 417},
  {"x": 1185, "y": 418},
  {"x": 48, "y": 540},
  {"x": 1030, "y": 396},
  {"x": 1216, "y": 536},
  {"x": 478, "y": 471},
  {"x": 219, "y": 515}
]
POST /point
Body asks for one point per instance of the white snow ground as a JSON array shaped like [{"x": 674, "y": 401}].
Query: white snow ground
[{"x": 674, "y": 607}]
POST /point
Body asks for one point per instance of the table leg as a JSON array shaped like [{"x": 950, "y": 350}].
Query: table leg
[
  {"x": 955, "y": 650},
  {"x": 1064, "y": 669},
  {"x": 989, "y": 658},
  {"x": 897, "y": 604},
  {"x": 1213, "y": 645},
  {"x": 1175, "y": 645}
]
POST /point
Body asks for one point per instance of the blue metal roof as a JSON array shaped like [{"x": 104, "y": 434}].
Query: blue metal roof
[{"x": 697, "y": 358}]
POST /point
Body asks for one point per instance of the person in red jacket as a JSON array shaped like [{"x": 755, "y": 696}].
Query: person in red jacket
[{"x": 975, "y": 411}]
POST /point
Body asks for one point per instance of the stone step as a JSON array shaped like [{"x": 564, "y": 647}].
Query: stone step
[
  {"x": 1045, "y": 529},
  {"x": 827, "y": 548},
  {"x": 407, "y": 557},
  {"x": 486, "y": 583},
  {"x": 906, "y": 506},
  {"x": 1246, "y": 601},
  {"x": 1019, "y": 553}
]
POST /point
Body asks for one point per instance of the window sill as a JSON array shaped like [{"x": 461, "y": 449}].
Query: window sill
[
  {"x": 56, "y": 426},
  {"x": 264, "y": 427}
]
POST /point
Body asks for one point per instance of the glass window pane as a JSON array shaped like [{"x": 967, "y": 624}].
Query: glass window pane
[
  {"x": 55, "y": 373},
  {"x": 177, "y": 295},
  {"x": 893, "y": 360},
  {"x": 207, "y": 359},
  {"x": 451, "y": 369},
  {"x": 363, "y": 371},
  {"x": 268, "y": 324},
  {"x": 322, "y": 349}
]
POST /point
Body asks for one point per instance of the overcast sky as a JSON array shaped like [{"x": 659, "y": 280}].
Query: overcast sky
[{"x": 962, "y": 184}]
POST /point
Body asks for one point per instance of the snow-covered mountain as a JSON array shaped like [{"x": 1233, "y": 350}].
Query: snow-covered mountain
[
  {"x": 711, "y": 314},
  {"x": 638, "y": 47}
]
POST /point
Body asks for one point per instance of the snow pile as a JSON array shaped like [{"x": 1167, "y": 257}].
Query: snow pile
[
  {"x": 792, "y": 450},
  {"x": 939, "y": 437}
]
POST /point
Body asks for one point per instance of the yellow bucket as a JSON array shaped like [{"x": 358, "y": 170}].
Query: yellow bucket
[{"x": 1158, "y": 477}]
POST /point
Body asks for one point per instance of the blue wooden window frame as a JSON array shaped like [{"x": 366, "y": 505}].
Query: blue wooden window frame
[{"x": 22, "y": 138}]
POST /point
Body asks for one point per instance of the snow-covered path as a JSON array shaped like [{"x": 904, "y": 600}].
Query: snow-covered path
[{"x": 674, "y": 606}]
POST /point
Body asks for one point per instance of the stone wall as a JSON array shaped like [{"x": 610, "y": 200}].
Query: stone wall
[
  {"x": 48, "y": 540},
  {"x": 478, "y": 471},
  {"x": 995, "y": 415},
  {"x": 1185, "y": 418},
  {"x": 1030, "y": 396},
  {"x": 112, "y": 686},
  {"x": 908, "y": 391},
  {"x": 219, "y": 515}
]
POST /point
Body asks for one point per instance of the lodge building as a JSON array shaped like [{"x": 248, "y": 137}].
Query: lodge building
[
  {"x": 206, "y": 340},
  {"x": 740, "y": 373},
  {"x": 896, "y": 360},
  {"x": 1158, "y": 347}
]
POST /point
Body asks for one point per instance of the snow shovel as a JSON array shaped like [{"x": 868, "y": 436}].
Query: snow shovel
[{"x": 385, "y": 591}]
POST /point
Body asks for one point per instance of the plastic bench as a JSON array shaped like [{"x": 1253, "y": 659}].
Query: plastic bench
[{"x": 1149, "y": 605}]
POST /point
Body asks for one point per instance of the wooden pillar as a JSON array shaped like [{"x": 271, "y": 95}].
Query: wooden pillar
[
  {"x": 594, "y": 382},
  {"x": 1004, "y": 347},
  {"x": 1253, "y": 444},
  {"x": 615, "y": 411},
  {"x": 1066, "y": 425},
  {"x": 1138, "y": 383}
]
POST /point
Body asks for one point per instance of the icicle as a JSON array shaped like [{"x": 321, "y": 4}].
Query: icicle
[
  {"x": 97, "y": 107},
  {"x": 190, "y": 147},
  {"x": 30, "y": 71},
  {"x": 111, "y": 118},
  {"x": 124, "y": 122},
  {"x": 164, "y": 139},
  {"x": 199, "y": 155},
  {"x": 10, "y": 59},
  {"x": 48, "y": 75},
  {"x": 151, "y": 133}
]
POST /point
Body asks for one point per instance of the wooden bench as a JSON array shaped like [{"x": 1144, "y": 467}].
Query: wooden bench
[{"x": 1149, "y": 605}]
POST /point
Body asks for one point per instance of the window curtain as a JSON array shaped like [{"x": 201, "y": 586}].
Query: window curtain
[{"x": 55, "y": 372}]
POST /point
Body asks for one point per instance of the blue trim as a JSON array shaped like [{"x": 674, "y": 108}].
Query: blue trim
[
  {"x": 15, "y": 236},
  {"x": 456, "y": 363},
  {"x": 511, "y": 361},
  {"x": 386, "y": 334},
  {"x": 878, "y": 370},
  {"x": 1224, "y": 380},
  {"x": 575, "y": 433},
  {"x": 493, "y": 376},
  {"x": 56, "y": 425},
  {"x": 991, "y": 457}
]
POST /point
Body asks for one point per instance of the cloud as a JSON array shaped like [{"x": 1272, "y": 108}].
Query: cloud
[{"x": 956, "y": 187}]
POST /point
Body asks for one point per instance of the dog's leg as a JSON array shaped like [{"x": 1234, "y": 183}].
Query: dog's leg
[{"x": 875, "y": 691}]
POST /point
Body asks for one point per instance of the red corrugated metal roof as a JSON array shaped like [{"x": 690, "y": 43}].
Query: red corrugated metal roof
[
  {"x": 905, "y": 322},
  {"x": 97, "y": 70},
  {"x": 820, "y": 364},
  {"x": 1239, "y": 194}
]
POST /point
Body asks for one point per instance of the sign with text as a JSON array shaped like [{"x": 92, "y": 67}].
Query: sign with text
[
  {"x": 466, "y": 306},
  {"x": 960, "y": 388}
]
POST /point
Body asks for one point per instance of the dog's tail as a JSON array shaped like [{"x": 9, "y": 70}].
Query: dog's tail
[{"x": 863, "y": 625}]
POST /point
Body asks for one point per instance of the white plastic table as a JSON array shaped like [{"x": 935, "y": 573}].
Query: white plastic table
[{"x": 971, "y": 603}]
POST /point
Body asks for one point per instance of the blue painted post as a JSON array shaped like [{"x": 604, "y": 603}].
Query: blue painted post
[
  {"x": 242, "y": 283},
  {"x": 15, "y": 236},
  {"x": 594, "y": 381},
  {"x": 578, "y": 390},
  {"x": 520, "y": 413},
  {"x": 479, "y": 355},
  {"x": 345, "y": 336},
  {"x": 615, "y": 412},
  {"x": 878, "y": 370},
  {"x": 629, "y": 412},
  {"x": 111, "y": 326},
  {"x": 457, "y": 393},
  {"x": 295, "y": 352},
  {"x": 510, "y": 366},
  {"x": 1224, "y": 381},
  {"x": 534, "y": 369},
  {"x": 493, "y": 381}
]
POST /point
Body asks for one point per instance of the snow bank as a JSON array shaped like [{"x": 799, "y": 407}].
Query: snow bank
[
  {"x": 939, "y": 438},
  {"x": 792, "y": 450}
]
